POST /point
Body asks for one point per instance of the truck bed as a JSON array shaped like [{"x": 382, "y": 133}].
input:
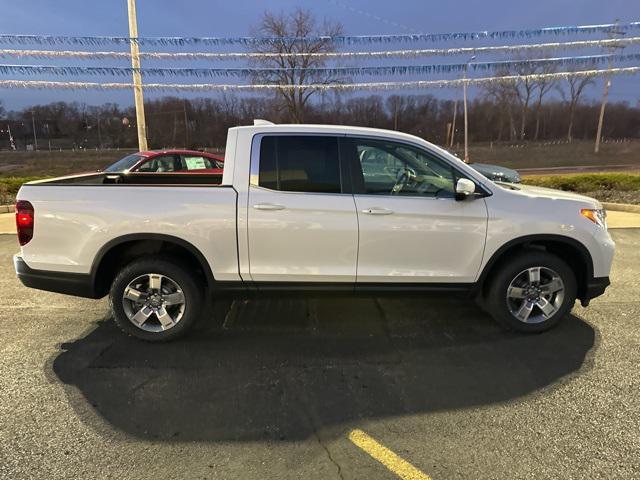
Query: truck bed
[
  {"x": 75, "y": 217},
  {"x": 135, "y": 178}
]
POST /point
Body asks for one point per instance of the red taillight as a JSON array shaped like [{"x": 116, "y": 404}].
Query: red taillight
[{"x": 24, "y": 221}]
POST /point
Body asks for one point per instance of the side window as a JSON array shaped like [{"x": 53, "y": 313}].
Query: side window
[
  {"x": 190, "y": 162},
  {"x": 300, "y": 163},
  {"x": 390, "y": 168},
  {"x": 165, "y": 163}
]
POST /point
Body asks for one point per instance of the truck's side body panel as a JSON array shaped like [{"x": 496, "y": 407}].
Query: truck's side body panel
[
  {"x": 73, "y": 223},
  {"x": 422, "y": 240},
  {"x": 517, "y": 214},
  {"x": 314, "y": 237}
]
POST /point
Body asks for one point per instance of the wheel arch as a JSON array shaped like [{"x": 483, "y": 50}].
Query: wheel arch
[
  {"x": 118, "y": 251},
  {"x": 573, "y": 252}
]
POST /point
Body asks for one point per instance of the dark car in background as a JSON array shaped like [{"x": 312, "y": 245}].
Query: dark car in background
[{"x": 497, "y": 173}]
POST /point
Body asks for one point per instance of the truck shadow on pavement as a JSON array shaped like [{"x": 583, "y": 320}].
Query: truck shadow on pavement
[{"x": 282, "y": 370}]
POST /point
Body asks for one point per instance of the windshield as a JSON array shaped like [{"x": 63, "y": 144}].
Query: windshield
[{"x": 124, "y": 164}]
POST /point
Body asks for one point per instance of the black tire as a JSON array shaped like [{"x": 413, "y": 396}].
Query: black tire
[
  {"x": 179, "y": 275},
  {"x": 500, "y": 308}
]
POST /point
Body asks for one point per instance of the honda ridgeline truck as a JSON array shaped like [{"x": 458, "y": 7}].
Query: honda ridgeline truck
[{"x": 308, "y": 208}]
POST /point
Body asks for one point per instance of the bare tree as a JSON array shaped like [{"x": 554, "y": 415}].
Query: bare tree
[
  {"x": 576, "y": 88},
  {"x": 503, "y": 96},
  {"x": 293, "y": 44},
  {"x": 523, "y": 92},
  {"x": 542, "y": 87}
]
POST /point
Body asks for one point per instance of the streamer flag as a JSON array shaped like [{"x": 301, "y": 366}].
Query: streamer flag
[
  {"x": 423, "y": 84},
  {"x": 338, "y": 40},
  {"x": 414, "y": 53},
  {"x": 333, "y": 71}
]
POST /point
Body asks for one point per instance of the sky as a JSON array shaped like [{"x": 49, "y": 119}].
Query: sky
[{"x": 235, "y": 18}]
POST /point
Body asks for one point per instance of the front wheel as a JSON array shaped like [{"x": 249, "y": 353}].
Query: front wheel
[
  {"x": 155, "y": 299},
  {"x": 531, "y": 292}
]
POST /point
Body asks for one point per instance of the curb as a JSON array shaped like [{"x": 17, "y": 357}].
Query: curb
[
  {"x": 621, "y": 207},
  {"x": 7, "y": 208}
]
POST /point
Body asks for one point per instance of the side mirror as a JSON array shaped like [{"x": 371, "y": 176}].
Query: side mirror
[{"x": 464, "y": 188}]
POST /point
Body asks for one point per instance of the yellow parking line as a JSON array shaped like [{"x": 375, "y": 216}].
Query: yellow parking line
[{"x": 393, "y": 462}]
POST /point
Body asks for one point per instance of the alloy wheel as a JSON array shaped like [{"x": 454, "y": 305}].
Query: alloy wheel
[
  {"x": 153, "y": 302},
  {"x": 535, "y": 295}
]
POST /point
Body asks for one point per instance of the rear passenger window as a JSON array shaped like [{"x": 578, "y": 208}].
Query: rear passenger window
[
  {"x": 189, "y": 162},
  {"x": 300, "y": 163}
]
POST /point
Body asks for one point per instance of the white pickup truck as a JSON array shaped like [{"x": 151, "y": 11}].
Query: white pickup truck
[{"x": 303, "y": 208}]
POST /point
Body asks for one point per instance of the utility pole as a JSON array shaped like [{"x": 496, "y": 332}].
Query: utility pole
[
  {"x": 12, "y": 143},
  {"x": 33, "y": 125},
  {"x": 453, "y": 123},
  {"x": 603, "y": 105},
  {"x": 186, "y": 125},
  {"x": 607, "y": 86},
  {"x": 137, "y": 77},
  {"x": 466, "y": 118},
  {"x": 175, "y": 127},
  {"x": 99, "y": 132},
  {"x": 46, "y": 127}
]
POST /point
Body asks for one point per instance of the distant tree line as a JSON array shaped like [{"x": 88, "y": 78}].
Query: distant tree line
[{"x": 494, "y": 116}]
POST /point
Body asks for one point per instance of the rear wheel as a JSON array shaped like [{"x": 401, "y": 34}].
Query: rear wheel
[
  {"x": 155, "y": 299},
  {"x": 531, "y": 292}
]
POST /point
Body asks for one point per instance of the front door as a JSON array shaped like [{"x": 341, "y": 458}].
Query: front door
[
  {"x": 411, "y": 227},
  {"x": 301, "y": 226}
]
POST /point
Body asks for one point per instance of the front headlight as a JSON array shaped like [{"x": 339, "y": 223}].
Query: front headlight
[{"x": 597, "y": 216}]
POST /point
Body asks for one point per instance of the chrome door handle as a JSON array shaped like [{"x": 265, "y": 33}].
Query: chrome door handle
[
  {"x": 377, "y": 211},
  {"x": 268, "y": 206}
]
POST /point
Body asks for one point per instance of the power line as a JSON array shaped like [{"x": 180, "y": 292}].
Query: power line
[
  {"x": 340, "y": 39},
  {"x": 334, "y": 71},
  {"x": 419, "y": 84},
  {"x": 414, "y": 53}
]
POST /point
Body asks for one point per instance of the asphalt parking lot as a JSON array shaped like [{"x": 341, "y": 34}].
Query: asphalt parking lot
[{"x": 324, "y": 388}]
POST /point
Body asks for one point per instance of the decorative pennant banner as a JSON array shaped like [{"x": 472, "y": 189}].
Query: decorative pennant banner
[
  {"x": 429, "y": 52},
  {"x": 328, "y": 71},
  {"x": 422, "y": 84},
  {"x": 338, "y": 40}
]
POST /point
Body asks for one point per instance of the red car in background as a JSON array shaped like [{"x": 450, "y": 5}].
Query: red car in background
[{"x": 169, "y": 161}]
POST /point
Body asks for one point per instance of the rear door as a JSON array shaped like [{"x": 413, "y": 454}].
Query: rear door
[
  {"x": 302, "y": 223},
  {"x": 412, "y": 230}
]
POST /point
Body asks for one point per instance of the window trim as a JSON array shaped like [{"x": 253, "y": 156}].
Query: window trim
[
  {"x": 254, "y": 168},
  {"x": 457, "y": 173}
]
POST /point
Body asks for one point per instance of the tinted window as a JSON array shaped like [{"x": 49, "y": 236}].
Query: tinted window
[
  {"x": 163, "y": 163},
  {"x": 389, "y": 168},
  {"x": 300, "y": 164}
]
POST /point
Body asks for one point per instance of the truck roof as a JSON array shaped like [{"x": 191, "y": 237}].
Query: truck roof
[{"x": 333, "y": 129}]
